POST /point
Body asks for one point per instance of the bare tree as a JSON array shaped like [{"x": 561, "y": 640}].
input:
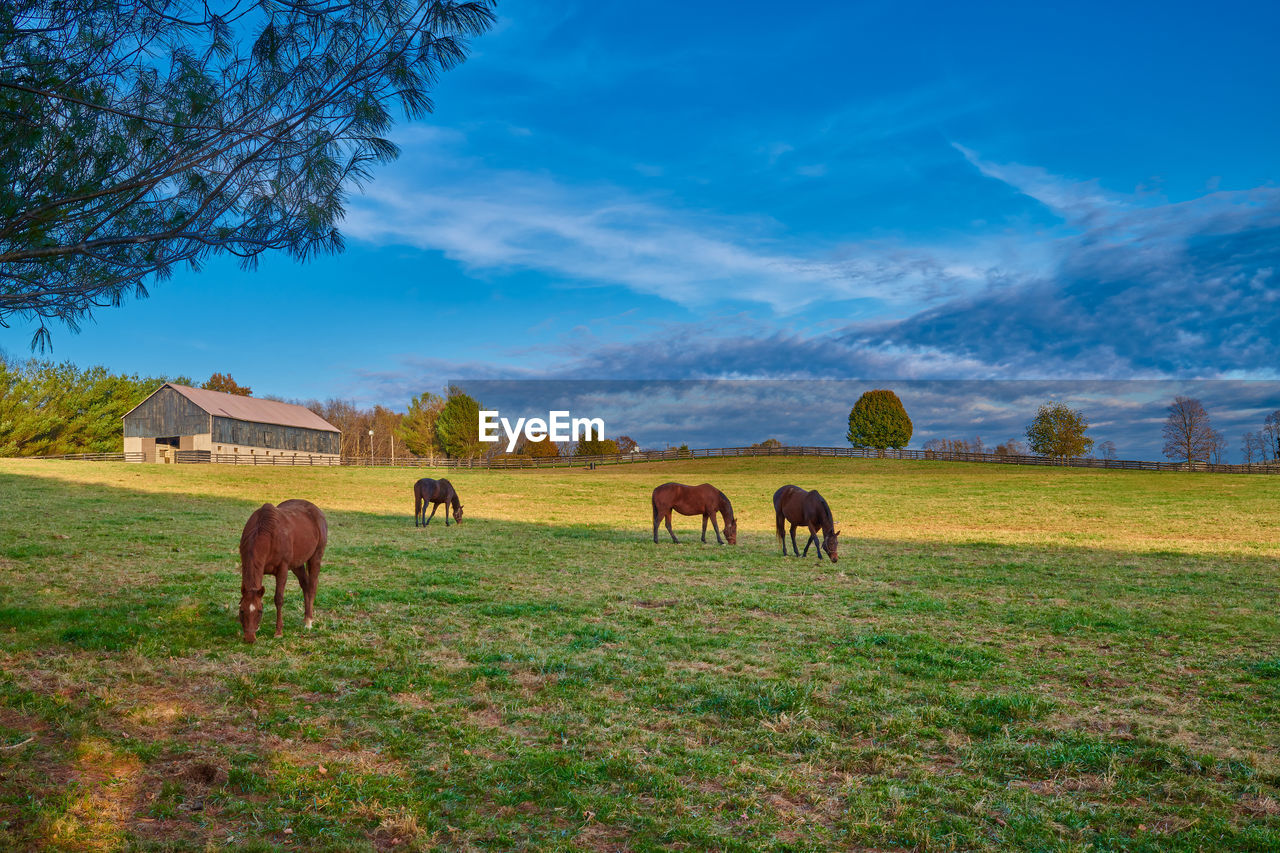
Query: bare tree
[
  {"x": 1012, "y": 447},
  {"x": 1218, "y": 447},
  {"x": 1107, "y": 450},
  {"x": 1271, "y": 436},
  {"x": 1187, "y": 433},
  {"x": 1251, "y": 448}
]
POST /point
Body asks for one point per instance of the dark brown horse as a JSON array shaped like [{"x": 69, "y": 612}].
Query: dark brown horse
[
  {"x": 275, "y": 540},
  {"x": 809, "y": 509},
  {"x": 434, "y": 492},
  {"x": 704, "y": 500}
]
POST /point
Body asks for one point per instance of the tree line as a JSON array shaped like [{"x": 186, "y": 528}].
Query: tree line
[
  {"x": 51, "y": 409},
  {"x": 878, "y": 420}
]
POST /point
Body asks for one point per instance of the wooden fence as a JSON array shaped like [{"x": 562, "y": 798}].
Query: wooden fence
[
  {"x": 673, "y": 454},
  {"x": 842, "y": 452},
  {"x": 101, "y": 457}
]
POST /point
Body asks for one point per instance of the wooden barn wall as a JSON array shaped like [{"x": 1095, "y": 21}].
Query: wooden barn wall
[
  {"x": 274, "y": 436},
  {"x": 166, "y": 413}
]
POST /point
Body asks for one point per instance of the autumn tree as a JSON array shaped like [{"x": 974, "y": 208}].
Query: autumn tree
[
  {"x": 767, "y": 444},
  {"x": 543, "y": 448},
  {"x": 626, "y": 444},
  {"x": 596, "y": 447},
  {"x": 878, "y": 420},
  {"x": 1059, "y": 431},
  {"x": 1187, "y": 433},
  {"x": 140, "y": 137},
  {"x": 224, "y": 383},
  {"x": 1012, "y": 447},
  {"x": 417, "y": 431}
]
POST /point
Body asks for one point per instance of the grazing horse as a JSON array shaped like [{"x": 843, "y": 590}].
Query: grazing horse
[
  {"x": 434, "y": 492},
  {"x": 794, "y": 504},
  {"x": 275, "y": 540},
  {"x": 704, "y": 500}
]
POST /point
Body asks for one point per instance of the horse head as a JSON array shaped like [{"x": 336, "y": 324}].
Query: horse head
[
  {"x": 250, "y": 611},
  {"x": 731, "y": 531},
  {"x": 457, "y": 513},
  {"x": 830, "y": 544}
]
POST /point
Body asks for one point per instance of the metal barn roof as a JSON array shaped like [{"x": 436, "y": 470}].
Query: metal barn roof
[{"x": 234, "y": 406}]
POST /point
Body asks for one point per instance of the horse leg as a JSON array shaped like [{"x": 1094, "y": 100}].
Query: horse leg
[
  {"x": 282, "y": 577},
  {"x": 417, "y": 509},
  {"x": 309, "y": 590},
  {"x": 812, "y": 540},
  {"x": 794, "y": 546},
  {"x": 446, "y": 513},
  {"x": 704, "y": 529},
  {"x": 782, "y": 533},
  {"x": 434, "y": 507},
  {"x": 669, "y": 530},
  {"x": 714, "y": 527},
  {"x": 656, "y": 519}
]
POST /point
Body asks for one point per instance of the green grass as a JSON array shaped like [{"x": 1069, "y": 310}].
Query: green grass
[{"x": 1003, "y": 658}]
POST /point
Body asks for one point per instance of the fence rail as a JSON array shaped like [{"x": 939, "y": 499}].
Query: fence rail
[
  {"x": 503, "y": 462},
  {"x": 842, "y": 452},
  {"x": 100, "y": 457}
]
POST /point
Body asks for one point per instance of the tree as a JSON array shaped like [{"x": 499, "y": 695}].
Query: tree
[
  {"x": 1012, "y": 447},
  {"x": 140, "y": 136},
  {"x": 543, "y": 448},
  {"x": 458, "y": 426},
  {"x": 1107, "y": 450},
  {"x": 1187, "y": 433},
  {"x": 48, "y": 408},
  {"x": 768, "y": 443},
  {"x": 417, "y": 431},
  {"x": 223, "y": 382},
  {"x": 878, "y": 420},
  {"x": 627, "y": 444},
  {"x": 596, "y": 447},
  {"x": 1253, "y": 447},
  {"x": 1271, "y": 435},
  {"x": 1059, "y": 431},
  {"x": 1217, "y": 447}
]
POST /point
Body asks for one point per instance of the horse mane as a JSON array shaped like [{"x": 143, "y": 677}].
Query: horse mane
[
  {"x": 266, "y": 519},
  {"x": 726, "y": 508},
  {"x": 828, "y": 521}
]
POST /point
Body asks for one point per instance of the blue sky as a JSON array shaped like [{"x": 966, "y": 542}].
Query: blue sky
[{"x": 880, "y": 191}]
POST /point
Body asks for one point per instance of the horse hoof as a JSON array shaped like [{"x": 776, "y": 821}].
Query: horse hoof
[{"x": 307, "y": 624}]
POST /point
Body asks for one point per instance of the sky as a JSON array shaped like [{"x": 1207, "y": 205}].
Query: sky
[{"x": 875, "y": 192}]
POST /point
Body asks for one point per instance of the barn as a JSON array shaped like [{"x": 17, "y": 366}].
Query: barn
[{"x": 206, "y": 425}]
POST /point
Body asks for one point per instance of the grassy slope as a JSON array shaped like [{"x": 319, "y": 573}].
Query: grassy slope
[{"x": 1003, "y": 657}]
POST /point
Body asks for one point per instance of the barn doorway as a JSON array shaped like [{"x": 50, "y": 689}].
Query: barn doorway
[{"x": 166, "y": 447}]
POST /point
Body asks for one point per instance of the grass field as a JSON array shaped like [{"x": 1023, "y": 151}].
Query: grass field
[{"x": 1003, "y": 658}]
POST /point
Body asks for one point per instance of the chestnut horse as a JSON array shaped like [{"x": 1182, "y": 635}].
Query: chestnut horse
[
  {"x": 704, "y": 500},
  {"x": 275, "y": 540},
  {"x": 794, "y": 504},
  {"x": 434, "y": 492}
]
